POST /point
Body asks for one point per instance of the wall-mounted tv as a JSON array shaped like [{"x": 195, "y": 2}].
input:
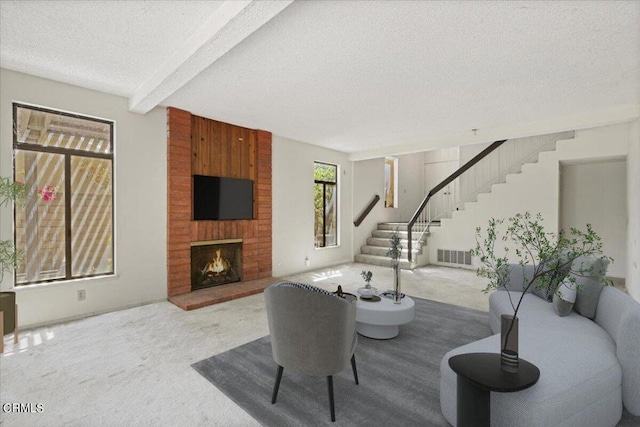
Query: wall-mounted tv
[{"x": 221, "y": 198}]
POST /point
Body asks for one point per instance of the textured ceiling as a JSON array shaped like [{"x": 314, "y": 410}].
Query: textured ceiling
[
  {"x": 353, "y": 76},
  {"x": 110, "y": 46}
]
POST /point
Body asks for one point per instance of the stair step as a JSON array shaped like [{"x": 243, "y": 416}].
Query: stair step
[
  {"x": 382, "y": 251},
  {"x": 383, "y": 261},
  {"x": 526, "y": 167},
  {"x": 485, "y": 196},
  {"x": 458, "y": 214},
  {"x": 401, "y": 226},
  {"x": 383, "y": 242},
  {"x": 511, "y": 178},
  {"x": 386, "y": 234},
  {"x": 499, "y": 187}
]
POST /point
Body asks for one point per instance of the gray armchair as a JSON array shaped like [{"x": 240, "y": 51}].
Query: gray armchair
[{"x": 312, "y": 332}]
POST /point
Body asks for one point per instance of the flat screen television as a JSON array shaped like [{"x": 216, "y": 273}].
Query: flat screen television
[{"x": 221, "y": 198}]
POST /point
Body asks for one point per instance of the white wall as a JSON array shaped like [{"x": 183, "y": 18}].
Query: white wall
[
  {"x": 293, "y": 210},
  {"x": 368, "y": 180},
  {"x": 438, "y": 166},
  {"x": 450, "y": 156},
  {"x": 410, "y": 185},
  {"x": 596, "y": 193},
  {"x": 140, "y": 202},
  {"x": 633, "y": 211}
]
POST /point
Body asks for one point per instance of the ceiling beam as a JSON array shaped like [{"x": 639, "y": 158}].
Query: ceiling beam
[{"x": 231, "y": 23}]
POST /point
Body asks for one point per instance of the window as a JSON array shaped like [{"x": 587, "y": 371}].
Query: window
[
  {"x": 64, "y": 224},
  {"x": 326, "y": 204},
  {"x": 390, "y": 182}
]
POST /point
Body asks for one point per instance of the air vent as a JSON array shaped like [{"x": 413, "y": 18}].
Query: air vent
[{"x": 454, "y": 257}]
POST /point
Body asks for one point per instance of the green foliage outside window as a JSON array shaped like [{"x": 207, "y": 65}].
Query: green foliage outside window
[
  {"x": 9, "y": 257},
  {"x": 325, "y": 228}
]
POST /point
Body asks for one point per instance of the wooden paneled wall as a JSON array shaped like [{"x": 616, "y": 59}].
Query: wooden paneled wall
[
  {"x": 221, "y": 149},
  {"x": 200, "y": 146}
]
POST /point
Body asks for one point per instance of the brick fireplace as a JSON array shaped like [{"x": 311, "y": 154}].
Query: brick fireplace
[{"x": 201, "y": 146}]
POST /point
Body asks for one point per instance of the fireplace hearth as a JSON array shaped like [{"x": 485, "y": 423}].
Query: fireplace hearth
[{"x": 215, "y": 263}]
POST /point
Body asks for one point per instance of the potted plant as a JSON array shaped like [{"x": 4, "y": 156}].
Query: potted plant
[
  {"x": 368, "y": 292},
  {"x": 549, "y": 256},
  {"x": 9, "y": 257},
  {"x": 394, "y": 252},
  {"x": 367, "y": 276}
]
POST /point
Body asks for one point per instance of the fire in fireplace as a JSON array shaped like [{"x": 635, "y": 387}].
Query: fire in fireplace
[{"x": 214, "y": 264}]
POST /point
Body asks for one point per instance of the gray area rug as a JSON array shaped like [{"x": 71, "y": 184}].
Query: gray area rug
[{"x": 399, "y": 378}]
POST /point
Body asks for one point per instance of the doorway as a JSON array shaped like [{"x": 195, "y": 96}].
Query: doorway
[
  {"x": 443, "y": 202},
  {"x": 596, "y": 193}
]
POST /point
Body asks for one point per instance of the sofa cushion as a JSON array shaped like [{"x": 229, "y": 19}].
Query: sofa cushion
[
  {"x": 589, "y": 287},
  {"x": 519, "y": 275},
  {"x": 546, "y": 291}
]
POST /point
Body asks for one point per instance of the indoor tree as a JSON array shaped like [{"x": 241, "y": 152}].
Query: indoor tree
[
  {"x": 394, "y": 252},
  {"x": 522, "y": 240}
]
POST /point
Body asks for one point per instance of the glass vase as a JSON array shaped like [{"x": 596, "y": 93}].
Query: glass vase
[
  {"x": 397, "y": 296},
  {"x": 509, "y": 343}
]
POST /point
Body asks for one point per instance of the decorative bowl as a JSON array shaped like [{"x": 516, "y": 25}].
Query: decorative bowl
[{"x": 368, "y": 292}]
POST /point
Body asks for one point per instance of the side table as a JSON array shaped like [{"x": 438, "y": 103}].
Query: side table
[{"x": 478, "y": 375}]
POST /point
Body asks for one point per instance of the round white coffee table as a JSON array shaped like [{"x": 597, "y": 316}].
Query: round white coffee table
[{"x": 381, "y": 320}]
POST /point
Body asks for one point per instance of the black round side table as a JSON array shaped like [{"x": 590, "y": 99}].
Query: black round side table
[{"x": 478, "y": 375}]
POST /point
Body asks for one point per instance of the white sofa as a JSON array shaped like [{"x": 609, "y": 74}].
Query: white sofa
[{"x": 588, "y": 368}]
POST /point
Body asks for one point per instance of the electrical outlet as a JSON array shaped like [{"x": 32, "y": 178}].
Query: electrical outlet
[{"x": 82, "y": 295}]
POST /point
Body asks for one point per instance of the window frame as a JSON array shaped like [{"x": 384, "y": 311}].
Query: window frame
[
  {"x": 67, "y": 154},
  {"x": 391, "y": 186},
  {"x": 336, "y": 184}
]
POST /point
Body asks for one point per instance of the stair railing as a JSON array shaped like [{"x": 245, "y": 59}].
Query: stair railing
[
  {"x": 422, "y": 218},
  {"x": 366, "y": 210}
]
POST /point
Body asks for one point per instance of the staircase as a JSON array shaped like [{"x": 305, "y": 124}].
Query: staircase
[
  {"x": 374, "y": 252},
  {"x": 534, "y": 188},
  {"x": 509, "y": 158}
]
